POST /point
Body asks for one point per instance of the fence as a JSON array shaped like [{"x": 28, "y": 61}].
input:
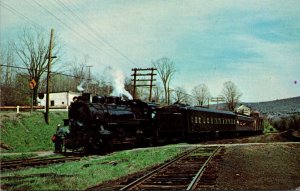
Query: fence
[{"x": 28, "y": 108}]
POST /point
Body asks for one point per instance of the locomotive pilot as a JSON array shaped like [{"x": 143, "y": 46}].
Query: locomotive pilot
[{"x": 61, "y": 133}]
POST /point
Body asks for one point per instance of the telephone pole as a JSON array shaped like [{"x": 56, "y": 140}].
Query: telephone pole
[
  {"x": 48, "y": 76},
  {"x": 217, "y": 99},
  {"x": 135, "y": 80},
  {"x": 88, "y": 80}
]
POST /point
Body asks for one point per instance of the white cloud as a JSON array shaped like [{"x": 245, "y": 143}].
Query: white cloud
[{"x": 210, "y": 41}]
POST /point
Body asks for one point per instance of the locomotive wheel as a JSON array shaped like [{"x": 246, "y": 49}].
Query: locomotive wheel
[{"x": 93, "y": 145}]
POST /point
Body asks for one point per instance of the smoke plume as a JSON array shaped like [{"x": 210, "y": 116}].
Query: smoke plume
[
  {"x": 80, "y": 86},
  {"x": 117, "y": 79}
]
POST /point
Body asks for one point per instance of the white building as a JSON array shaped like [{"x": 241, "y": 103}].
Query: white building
[
  {"x": 58, "y": 99},
  {"x": 242, "y": 109}
]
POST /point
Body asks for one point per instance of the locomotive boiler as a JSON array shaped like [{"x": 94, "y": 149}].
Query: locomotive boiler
[{"x": 108, "y": 121}]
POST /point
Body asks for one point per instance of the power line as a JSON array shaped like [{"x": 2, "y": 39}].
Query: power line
[
  {"x": 77, "y": 33},
  {"x": 91, "y": 30},
  {"x": 67, "y": 16},
  {"x": 19, "y": 14},
  {"x": 23, "y": 68},
  {"x": 67, "y": 26},
  {"x": 97, "y": 34}
]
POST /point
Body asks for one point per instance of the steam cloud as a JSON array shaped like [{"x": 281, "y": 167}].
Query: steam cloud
[
  {"x": 118, "y": 81},
  {"x": 80, "y": 87}
]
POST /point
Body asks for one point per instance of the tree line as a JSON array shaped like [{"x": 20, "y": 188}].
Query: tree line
[{"x": 27, "y": 59}]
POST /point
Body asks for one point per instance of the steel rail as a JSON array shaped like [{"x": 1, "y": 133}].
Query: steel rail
[
  {"x": 134, "y": 183},
  {"x": 6, "y": 165},
  {"x": 201, "y": 170}
]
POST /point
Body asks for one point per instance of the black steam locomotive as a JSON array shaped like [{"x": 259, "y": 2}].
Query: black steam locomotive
[
  {"x": 108, "y": 121},
  {"x": 111, "y": 121}
]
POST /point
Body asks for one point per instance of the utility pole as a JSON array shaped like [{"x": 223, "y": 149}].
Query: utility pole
[
  {"x": 135, "y": 80},
  {"x": 151, "y": 83},
  {"x": 48, "y": 77},
  {"x": 89, "y": 80},
  {"x": 217, "y": 99}
]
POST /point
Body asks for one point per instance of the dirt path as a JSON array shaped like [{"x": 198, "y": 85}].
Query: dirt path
[{"x": 260, "y": 167}]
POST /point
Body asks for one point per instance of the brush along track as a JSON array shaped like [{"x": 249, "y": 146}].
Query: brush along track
[
  {"x": 180, "y": 173},
  {"x": 34, "y": 162}
]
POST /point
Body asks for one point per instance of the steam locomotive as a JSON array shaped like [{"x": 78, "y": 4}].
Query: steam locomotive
[{"x": 107, "y": 122}]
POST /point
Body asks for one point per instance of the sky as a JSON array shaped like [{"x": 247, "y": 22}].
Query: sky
[{"x": 255, "y": 44}]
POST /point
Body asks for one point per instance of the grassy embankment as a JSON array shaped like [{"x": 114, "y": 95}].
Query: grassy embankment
[
  {"x": 268, "y": 128},
  {"x": 27, "y": 132},
  {"x": 88, "y": 172}
]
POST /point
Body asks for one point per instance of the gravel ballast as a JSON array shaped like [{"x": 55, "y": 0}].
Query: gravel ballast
[{"x": 260, "y": 167}]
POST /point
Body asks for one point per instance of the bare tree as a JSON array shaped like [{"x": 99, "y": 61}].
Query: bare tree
[
  {"x": 157, "y": 93},
  {"x": 32, "y": 48},
  {"x": 60, "y": 83},
  {"x": 104, "y": 88},
  {"x": 79, "y": 69},
  {"x": 7, "y": 63},
  {"x": 201, "y": 94},
  {"x": 8, "y": 83},
  {"x": 1, "y": 63},
  {"x": 231, "y": 94},
  {"x": 166, "y": 69},
  {"x": 180, "y": 95}
]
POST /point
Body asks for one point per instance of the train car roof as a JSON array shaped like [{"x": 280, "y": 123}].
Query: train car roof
[
  {"x": 207, "y": 110},
  {"x": 153, "y": 104},
  {"x": 245, "y": 118},
  {"x": 202, "y": 109}
]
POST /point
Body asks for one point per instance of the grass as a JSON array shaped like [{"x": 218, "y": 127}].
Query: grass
[
  {"x": 29, "y": 132},
  {"x": 268, "y": 128},
  {"x": 88, "y": 172},
  {"x": 17, "y": 156}
]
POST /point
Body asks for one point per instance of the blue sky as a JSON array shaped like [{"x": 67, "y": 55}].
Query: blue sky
[{"x": 255, "y": 44}]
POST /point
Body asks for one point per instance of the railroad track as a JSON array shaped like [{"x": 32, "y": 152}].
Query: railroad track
[
  {"x": 33, "y": 162},
  {"x": 289, "y": 134},
  {"x": 181, "y": 173}
]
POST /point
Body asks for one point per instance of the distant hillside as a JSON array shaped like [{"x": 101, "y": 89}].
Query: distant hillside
[
  {"x": 277, "y": 108},
  {"x": 272, "y": 109},
  {"x": 283, "y": 114}
]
